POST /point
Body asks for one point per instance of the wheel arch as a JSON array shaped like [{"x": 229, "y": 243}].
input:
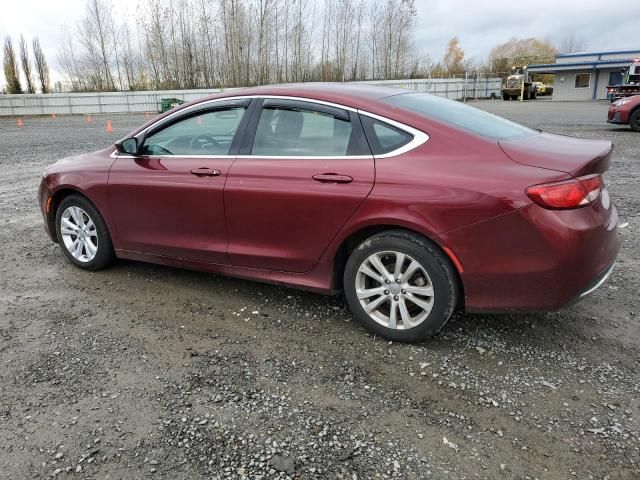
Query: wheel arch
[
  {"x": 355, "y": 238},
  {"x": 56, "y": 199}
]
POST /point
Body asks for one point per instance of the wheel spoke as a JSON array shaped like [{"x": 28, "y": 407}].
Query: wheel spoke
[
  {"x": 411, "y": 269},
  {"x": 77, "y": 248},
  {"x": 77, "y": 217},
  {"x": 371, "y": 306},
  {"x": 426, "y": 306},
  {"x": 404, "y": 313},
  {"x": 364, "y": 268},
  {"x": 70, "y": 225},
  {"x": 90, "y": 248},
  {"x": 370, "y": 292},
  {"x": 426, "y": 291},
  {"x": 393, "y": 315},
  {"x": 377, "y": 263},
  {"x": 399, "y": 263}
]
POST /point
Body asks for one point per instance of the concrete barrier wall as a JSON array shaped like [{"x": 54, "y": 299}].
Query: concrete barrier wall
[{"x": 126, "y": 102}]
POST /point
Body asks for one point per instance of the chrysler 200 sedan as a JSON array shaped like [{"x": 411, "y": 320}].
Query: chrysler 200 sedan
[{"x": 410, "y": 204}]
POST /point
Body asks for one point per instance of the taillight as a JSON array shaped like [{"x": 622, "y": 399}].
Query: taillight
[{"x": 575, "y": 193}]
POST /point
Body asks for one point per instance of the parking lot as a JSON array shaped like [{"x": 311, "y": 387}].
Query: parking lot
[{"x": 148, "y": 371}]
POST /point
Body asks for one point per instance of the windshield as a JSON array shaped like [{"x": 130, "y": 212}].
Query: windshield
[{"x": 460, "y": 115}]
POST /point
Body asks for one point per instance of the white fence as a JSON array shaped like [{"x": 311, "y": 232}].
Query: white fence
[{"x": 126, "y": 102}]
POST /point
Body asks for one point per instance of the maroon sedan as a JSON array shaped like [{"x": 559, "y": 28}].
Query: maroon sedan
[
  {"x": 411, "y": 204},
  {"x": 626, "y": 111}
]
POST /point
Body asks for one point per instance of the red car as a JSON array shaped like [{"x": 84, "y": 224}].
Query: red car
[
  {"x": 411, "y": 204},
  {"x": 626, "y": 111}
]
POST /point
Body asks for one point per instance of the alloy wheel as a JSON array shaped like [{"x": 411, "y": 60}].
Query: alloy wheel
[
  {"x": 394, "y": 289},
  {"x": 79, "y": 234}
]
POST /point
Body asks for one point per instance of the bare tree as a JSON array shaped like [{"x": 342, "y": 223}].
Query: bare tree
[
  {"x": 11, "y": 72},
  {"x": 572, "y": 43},
  {"x": 204, "y": 43},
  {"x": 96, "y": 37},
  {"x": 26, "y": 65},
  {"x": 42, "y": 69}
]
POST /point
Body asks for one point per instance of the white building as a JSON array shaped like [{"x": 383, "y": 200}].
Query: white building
[{"x": 585, "y": 76}]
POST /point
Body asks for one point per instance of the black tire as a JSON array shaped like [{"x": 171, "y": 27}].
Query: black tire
[
  {"x": 533, "y": 94},
  {"x": 440, "y": 273},
  {"x": 105, "y": 254},
  {"x": 634, "y": 120},
  {"x": 505, "y": 96}
]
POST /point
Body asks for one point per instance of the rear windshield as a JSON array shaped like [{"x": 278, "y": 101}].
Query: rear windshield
[{"x": 460, "y": 115}]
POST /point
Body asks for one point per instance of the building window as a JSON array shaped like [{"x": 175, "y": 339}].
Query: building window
[{"x": 583, "y": 80}]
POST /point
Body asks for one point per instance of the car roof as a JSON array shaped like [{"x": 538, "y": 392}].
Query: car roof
[{"x": 353, "y": 94}]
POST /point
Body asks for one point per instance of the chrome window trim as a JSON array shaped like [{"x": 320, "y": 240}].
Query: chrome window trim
[{"x": 419, "y": 137}]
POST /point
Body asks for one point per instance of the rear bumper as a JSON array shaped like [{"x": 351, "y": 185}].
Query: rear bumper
[
  {"x": 535, "y": 259},
  {"x": 594, "y": 284}
]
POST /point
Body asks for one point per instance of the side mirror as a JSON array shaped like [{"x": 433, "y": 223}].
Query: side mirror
[{"x": 128, "y": 146}]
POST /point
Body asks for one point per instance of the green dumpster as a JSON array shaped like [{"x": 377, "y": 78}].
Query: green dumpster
[{"x": 169, "y": 103}]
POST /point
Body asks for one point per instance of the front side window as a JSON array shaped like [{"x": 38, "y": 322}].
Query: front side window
[
  {"x": 583, "y": 80},
  {"x": 206, "y": 133},
  {"x": 289, "y": 131}
]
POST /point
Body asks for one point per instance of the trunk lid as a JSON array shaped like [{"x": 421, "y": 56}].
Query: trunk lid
[{"x": 575, "y": 156}]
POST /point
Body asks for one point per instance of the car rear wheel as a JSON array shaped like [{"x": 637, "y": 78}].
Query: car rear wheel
[
  {"x": 400, "y": 286},
  {"x": 634, "y": 120},
  {"x": 83, "y": 234}
]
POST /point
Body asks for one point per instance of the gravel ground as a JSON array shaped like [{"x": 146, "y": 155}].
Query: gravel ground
[{"x": 147, "y": 371}]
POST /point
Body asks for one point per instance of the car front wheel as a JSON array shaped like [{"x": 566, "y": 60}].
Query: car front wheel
[
  {"x": 634, "y": 120},
  {"x": 400, "y": 286},
  {"x": 83, "y": 234}
]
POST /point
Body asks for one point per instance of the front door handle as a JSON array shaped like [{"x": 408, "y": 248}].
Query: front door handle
[
  {"x": 332, "y": 178},
  {"x": 205, "y": 172}
]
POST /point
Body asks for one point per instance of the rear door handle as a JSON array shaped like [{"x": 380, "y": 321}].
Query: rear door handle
[
  {"x": 205, "y": 172},
  {"x": 332, "y": 178}
]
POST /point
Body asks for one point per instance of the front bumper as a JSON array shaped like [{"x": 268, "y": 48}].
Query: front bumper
[
  {"x": 615, "y": 116},
  {"x": 44, "y": 200}
]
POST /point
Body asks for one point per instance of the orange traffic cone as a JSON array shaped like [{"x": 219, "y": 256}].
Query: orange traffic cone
[
  {"x": 89, "y": 119},
  {"x": 53, "y": 115},
  {"x": 109, "y": 126},
  {"x": 147, "y": 116},
  {"x": 19, "y": 122}
]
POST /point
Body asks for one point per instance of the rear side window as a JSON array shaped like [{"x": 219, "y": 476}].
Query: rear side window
[
  {"x": 286, "y": 131},
  {"x": 459, "y": 115},
  {"x": 384, "y": 138}
]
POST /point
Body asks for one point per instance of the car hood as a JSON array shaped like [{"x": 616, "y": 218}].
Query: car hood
[
  {"x": 575, "y": 156},
  {"x": 89, "y": 161}
]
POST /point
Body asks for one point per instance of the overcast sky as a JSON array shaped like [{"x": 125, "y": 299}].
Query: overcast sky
[{"x": 479, "y": 24}]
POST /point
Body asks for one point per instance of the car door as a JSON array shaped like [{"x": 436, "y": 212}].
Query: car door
[
  {"x": 304, "y": 169},
  {"x": 168, "y": 200}
]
